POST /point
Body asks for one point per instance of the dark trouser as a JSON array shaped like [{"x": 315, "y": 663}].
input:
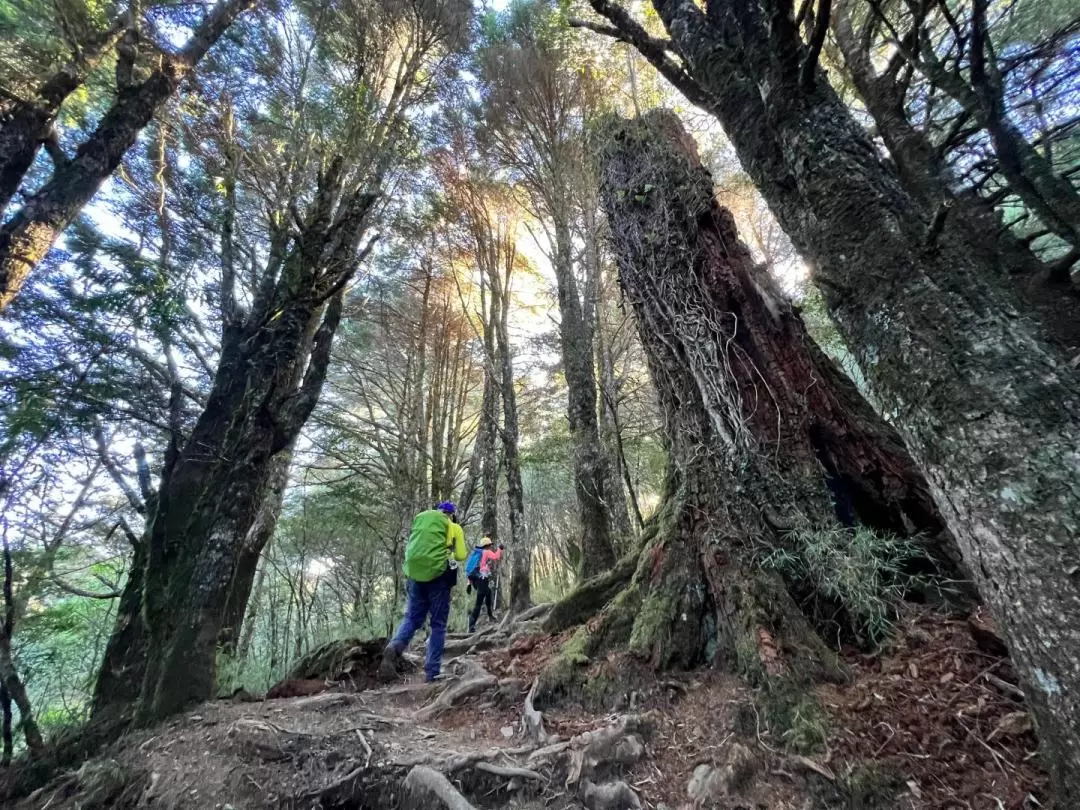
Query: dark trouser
[
  {"x": 426, "y": 598},
  {"x": 482, "y": 586}
]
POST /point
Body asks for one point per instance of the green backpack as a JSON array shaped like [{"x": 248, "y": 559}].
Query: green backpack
[{"x": 427, "y": 551}]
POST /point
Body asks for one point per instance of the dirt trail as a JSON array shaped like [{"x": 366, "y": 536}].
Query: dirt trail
[{"x": 931, "y": 723}]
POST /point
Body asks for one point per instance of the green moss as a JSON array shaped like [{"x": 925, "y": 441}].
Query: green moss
[
  {"x": 598, "y": 691},
  {"x": 794, "y": 715},
  {"x": 872, "y": 786},
  {"x": 653, "y": 623}
]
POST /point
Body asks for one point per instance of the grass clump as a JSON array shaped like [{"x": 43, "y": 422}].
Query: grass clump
[
  {"x": 794, "y": 716},
  {"x": 850, "y": 581}
]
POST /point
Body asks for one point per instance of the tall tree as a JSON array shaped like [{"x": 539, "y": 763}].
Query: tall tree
[
  {"x": 490, "y": 222},
  {"x": 535, "y": 101},
  {"x": 985, "y": 405},
  {"x": 770, "y": 445},
  {"x": 291, "y": 236}
]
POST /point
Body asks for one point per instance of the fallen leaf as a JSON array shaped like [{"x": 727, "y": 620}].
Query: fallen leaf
[{"x": 1012, "y": 725}]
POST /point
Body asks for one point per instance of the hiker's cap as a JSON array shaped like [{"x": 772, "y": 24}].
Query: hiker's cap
[
  {"x": 485, "y": 541},
  {"x": 448, "y": 507}
]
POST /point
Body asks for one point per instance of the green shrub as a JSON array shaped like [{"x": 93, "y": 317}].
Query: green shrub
[{"x": 853, "y": 578}]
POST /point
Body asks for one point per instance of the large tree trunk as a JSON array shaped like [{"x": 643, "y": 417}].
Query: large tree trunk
[
  {"x": 247, "y": 563},
  {"x": 590, "y": 470},
  {"x": 123, "y": 667},
  {"x": 268, "y": 380},
  {"x": 744, "y": 476},
  {"x": 769, "y": 443},
  {"x": 987, "y": 408},
  {"x": 28, "y": 235},
  {"x": 208, "y": 504}
]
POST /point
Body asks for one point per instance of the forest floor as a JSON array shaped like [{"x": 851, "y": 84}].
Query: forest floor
[{"x": 932, "y": 721}]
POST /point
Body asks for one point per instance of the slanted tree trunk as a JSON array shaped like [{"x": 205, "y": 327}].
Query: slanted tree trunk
[
  {"x": 985, "y": 405},
  {"x": 768, "y": 442},
  {"x": 120, "y": 677},
  {"x": 268, "y": 380},
  {"x": 247, "y": 563},
  {"x": 247, "y": 634},
  {"x": 28, "y": 235}
]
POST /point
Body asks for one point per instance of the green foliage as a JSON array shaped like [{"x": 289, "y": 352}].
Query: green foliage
[
  {"x": 864, "y": 574},
  {"x": 794, "y": 715},
  {"x": 872, "y": 786}
]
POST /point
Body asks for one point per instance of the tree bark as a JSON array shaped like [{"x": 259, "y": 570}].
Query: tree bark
[
  {"x": 268, "y": 380},
  {"x": 123, "y": 667},
  {"x": 486, "y": 448},
  {"x": 987, "y": 408},
  {"x": 611, "y": 443},
  {"x": 29, "y": 234},
  {"x": 521, "y": 552},
  {"x": 247, "y": 563},
  {"x": 590, "y": 472},
  {"x": 13, "y": 689}
]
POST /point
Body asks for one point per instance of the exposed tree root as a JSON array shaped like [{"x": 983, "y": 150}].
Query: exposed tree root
[
  {"x": 476, "y": 680},
  {"x": 424, "y": 786},
  {"x": 611, "y": 796},
  {"x": 589, "y": 597},
  {"x": 694, "y": 596},
  {"x": 599, "y": 752},
  {"x": 510, "y": 772},
  {"x": 535, "y": 612},
  {"x": 533, "y": 720}
]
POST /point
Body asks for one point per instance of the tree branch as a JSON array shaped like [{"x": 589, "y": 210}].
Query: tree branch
[
  {"x": 77, "y": 591},
  {"x": 138, "y": 504},
  {"x": 817, "y": 40},
  {"x": 654, "y": 50}
]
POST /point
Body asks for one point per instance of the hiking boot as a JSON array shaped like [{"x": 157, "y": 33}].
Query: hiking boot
[
  {"x": 388, "y": 667},
  {"x": 434, "y": 678},
  {"x": 472, "y": 627}
]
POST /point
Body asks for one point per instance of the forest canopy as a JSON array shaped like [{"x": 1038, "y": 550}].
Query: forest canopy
[{"x": 744, "y": 327}]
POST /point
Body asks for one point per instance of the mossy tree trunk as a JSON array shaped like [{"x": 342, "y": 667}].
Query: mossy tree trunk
[
  {"x": 767, "y": 440},
  {"x": 273, "y": 362},
  {"x": 987, "y": 405}
]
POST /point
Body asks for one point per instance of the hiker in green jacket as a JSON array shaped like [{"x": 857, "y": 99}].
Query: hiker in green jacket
[{"x": 436, "y": 546}]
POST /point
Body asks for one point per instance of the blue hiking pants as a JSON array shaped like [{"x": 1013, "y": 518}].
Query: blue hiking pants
[{"x": 426, "y": 598}]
